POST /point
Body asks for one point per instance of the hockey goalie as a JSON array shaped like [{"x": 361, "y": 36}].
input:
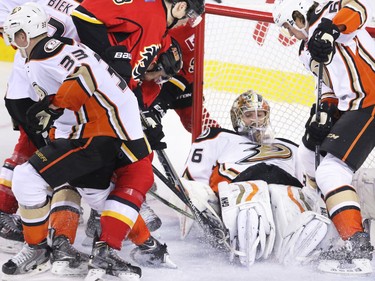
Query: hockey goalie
[{"x": 251, "y": 182}]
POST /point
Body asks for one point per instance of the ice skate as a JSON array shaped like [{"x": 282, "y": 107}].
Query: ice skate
[
  {"x": 104, "y": 260},
  {"x": 31, "y": 260},
  {"x": 92, "y": 226},
  {"x": 353, "y": 258},
  {"x": 11, "y": 233},
  {"x": 151, "y": 219},
  {"x": 153, "y": 254},
  {"x": 66, "y": 260}
]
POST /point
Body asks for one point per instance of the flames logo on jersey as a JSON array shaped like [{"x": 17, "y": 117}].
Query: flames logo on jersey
[
  {"x": 147, "y": 56},
  {"x": 266, "y": 152}
]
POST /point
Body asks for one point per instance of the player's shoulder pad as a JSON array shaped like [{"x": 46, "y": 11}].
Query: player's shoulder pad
[
  {"x": 319, "y": 11},
  {"x": 211, "y": 133},
  {"x": 287, "y": 141},
  {"x": 49, "y": 47}
]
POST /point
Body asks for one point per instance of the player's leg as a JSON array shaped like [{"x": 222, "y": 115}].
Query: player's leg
[
  {"x": 118, "y": 217},
  {"x": 334, "y": 177}
]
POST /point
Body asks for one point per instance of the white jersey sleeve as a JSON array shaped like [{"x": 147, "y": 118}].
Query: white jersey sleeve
[{"x": 220, "y": 154}]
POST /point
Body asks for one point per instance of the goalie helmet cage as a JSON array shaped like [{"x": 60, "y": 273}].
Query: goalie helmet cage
[{"x": 239, "y": 49}]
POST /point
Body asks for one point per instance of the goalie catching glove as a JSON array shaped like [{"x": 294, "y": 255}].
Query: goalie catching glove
[
  {"x": 322, "y": 42},
  {"x": 41, "y": 116}
]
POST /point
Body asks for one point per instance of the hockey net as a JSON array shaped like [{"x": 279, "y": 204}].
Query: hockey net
[{"x": 239, "y": 49}]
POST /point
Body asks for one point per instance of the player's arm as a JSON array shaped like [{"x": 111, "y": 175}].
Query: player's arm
[
  {"x": 91, "y": 31},
  {"x": 76, "y": 89},
  {"x": 203, "y": 155},
  {"x": 352, "y": 16}
]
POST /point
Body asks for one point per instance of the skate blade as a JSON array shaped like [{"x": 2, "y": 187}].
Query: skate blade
[
  {"x": 357, "y": 267},
  {"x": 39, "y": 269},
  {"x": 97, "y": 274},
  {"x": 62, "y": 268},
  {"x": 10, "y": 246},
  {"x": 168, "y": 263},
  {"x": 145, "y": 260}
]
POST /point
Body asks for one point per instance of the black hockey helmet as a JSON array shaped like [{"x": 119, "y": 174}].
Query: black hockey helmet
[
  {"x": 194, "y": 11},
  {"x": 197, "y": 6}
]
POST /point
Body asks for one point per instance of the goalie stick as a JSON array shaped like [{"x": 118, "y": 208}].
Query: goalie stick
[
  {"x": 216, "y": 232},
  {"x": 174, "y": 207}
]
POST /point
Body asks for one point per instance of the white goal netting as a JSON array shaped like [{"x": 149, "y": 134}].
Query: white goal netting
[{"x": 242, "y": 54}]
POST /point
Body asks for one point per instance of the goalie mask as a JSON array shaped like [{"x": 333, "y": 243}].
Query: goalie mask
[
  {"x": 30, "y": 18},
  {"x": 287, "y": 11},
  {"x": 250, "y": 115}
]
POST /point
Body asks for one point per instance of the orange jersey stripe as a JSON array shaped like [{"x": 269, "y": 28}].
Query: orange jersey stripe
[
  {"x": 357, "y": 138},
  {"x": 64, "y": 156},
  {"x": 291, "y": 196}
]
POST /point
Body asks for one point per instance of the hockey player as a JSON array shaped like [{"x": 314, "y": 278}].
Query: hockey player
[
  {"x": 334, "y": 36},
  {"x": 108, "y": 135},
  {"x": 257, "y": 180},
  {"x": 176, "y": 92},
  {"x": 20, "y": 96},
  {"x": 118, "y": 35}
]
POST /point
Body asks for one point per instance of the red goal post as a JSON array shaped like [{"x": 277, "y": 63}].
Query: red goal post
[{"x": 239, "y": 49}]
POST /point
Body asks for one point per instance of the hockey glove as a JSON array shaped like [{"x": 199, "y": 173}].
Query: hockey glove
[
  {"x": 316, "y": 131},
  {"x": 153, "y": 129},
  {"x": 322, "y": 43},
  {"x": 119, "y": 59},
  {"x": 40, "y": 116},
  {"x": 171, "y": 60}
]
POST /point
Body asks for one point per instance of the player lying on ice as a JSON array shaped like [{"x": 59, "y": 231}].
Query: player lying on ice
[
  {"x": 252, "y": 183},
  {"x": 338, "y": 50}
]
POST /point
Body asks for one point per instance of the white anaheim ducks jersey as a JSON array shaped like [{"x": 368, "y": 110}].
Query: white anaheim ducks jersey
[
  {"x": 102, "y": 102},
  {"x": 221, "y": 155},
  {"x": 60, "y": 24},
  {"x": 351, "y": 74}
]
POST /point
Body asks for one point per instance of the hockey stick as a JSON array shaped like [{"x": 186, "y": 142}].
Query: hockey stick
[
  {"x": 217, "y": 232},
  {"x": 214, "y": 231},
  {"x": 317, "y": 110},
  {"x": 174, "y": 207},
  {"x": 168, "y": 183}
]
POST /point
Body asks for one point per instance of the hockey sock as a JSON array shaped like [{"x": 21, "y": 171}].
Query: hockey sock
[{"x": 139, "y": 233}]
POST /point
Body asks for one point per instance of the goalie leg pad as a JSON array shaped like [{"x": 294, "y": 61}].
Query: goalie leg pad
[
  {"x": 247, "y": 221},
  {"x": 299, "y": 230},
  {"x": 300, "y": 246},
  {"x": 364, "y": 182},
  {"x": 247, "y": 214}
]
